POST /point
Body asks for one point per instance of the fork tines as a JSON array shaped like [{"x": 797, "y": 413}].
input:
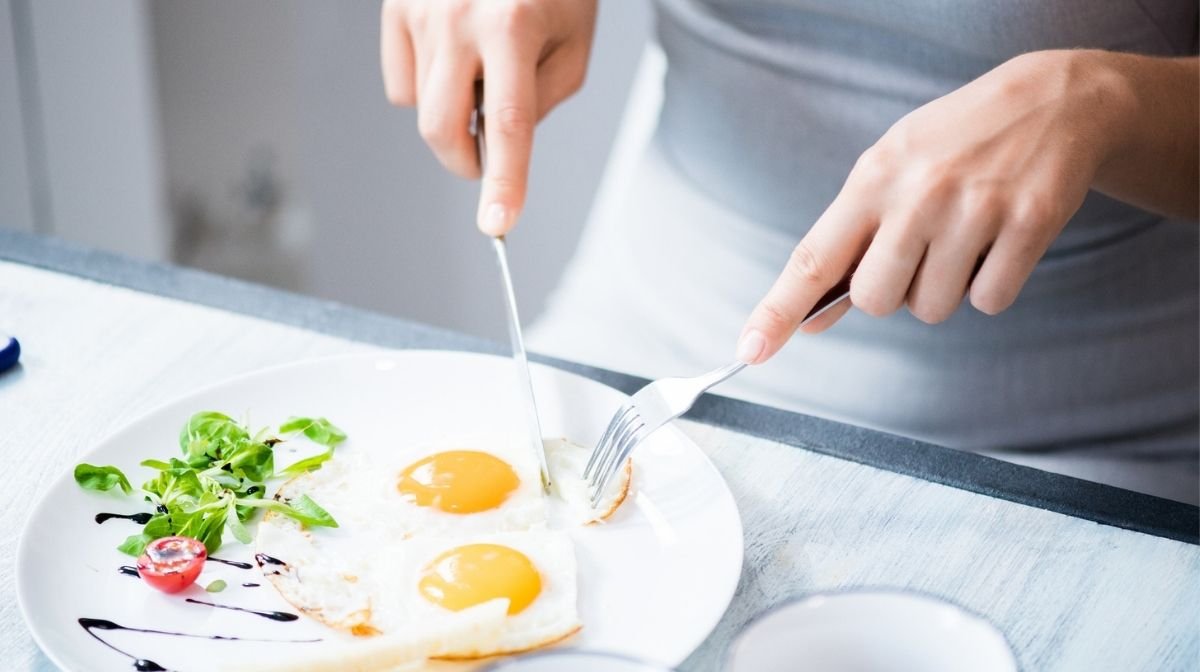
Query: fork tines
[
  {"x": 623, "y": 433},
  {"x": 650, "y": 408}
]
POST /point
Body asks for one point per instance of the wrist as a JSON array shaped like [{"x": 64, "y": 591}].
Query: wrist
[
  {"x": 1094, "y": 91},
  {"x": 1107, "y": 96}
]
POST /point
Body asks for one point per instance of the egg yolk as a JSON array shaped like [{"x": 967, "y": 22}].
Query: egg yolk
[
  {"x": 458, "y": 481},
  {"x": 468, "y": 575}
]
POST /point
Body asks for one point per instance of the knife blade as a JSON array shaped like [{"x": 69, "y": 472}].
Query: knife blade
[{"x": 520, "y": 358}]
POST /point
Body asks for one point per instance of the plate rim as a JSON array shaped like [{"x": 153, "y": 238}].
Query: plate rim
[{"x": 22, "y": 551}]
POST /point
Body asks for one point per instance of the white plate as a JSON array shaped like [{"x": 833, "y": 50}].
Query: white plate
[
  {"x": 871, "y": 630},
  {"x": 652, "y": 583}
]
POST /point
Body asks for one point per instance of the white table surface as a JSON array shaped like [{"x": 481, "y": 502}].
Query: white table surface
[{"x": 1070, "y": 594}]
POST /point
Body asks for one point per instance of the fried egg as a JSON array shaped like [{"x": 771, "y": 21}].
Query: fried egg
[
  {"x": 566, "y": 461},
  {"x": 469, "y": 485},
  {"x": 460, "y": 486},
  {"x": 534, "y": 571},
  {"x": 386, "y": 586}
]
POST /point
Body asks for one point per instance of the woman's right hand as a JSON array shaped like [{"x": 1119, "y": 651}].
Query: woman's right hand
[{"x": 532, "y": 53}]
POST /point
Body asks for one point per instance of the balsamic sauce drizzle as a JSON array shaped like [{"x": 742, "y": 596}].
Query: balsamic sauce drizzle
[
  {"x": 231, "y": 563},
  {"x": 140, "y": 664},
  {"x": 143, "y": 665},
  {"x": 264, "y": 559},
  {"x": 273, "y": 615},
  {"x": 90, "y": 625},
  {"x": 139, "y": 518}
]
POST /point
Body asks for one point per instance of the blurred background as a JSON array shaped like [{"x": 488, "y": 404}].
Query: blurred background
[{"x": 253, "y": 139}]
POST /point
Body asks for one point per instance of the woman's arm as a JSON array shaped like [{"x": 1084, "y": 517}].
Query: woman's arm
[
  {"x": 965, "y": 194},
  {"x": 1153, "y": 160}
]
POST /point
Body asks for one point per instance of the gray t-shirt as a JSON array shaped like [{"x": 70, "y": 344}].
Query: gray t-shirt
[{"x": 767, "y": 104}]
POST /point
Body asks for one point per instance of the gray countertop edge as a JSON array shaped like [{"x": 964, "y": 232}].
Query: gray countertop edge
[{"x": 967, "y": 471}]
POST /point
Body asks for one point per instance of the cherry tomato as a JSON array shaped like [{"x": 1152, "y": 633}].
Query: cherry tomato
[{"x": 171, "y": 564}]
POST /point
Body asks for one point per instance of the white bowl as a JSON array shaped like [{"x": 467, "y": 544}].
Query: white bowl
[{"x": 869, "y": 631}]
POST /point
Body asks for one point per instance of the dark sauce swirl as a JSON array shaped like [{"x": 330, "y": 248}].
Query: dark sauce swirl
[
  {"x": 263, "y": 560},
  {"x": 231, "y": 563},
  {"x": 91, "y": 625},
  {"x": 139, "y": 518},
  {"x": 273, "y": 615}
]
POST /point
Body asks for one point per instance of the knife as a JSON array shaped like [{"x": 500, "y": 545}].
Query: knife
[{"x": 524, "y": 381}]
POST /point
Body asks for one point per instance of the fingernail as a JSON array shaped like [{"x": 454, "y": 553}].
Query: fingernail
[
  {"x": 750, "y": 346},
  {"x": 495, "y": 219}
]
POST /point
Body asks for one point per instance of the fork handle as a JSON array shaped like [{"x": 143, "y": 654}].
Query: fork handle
[{"x": 717, "y": 376}]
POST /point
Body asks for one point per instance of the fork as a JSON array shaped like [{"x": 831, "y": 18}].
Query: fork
[{"x": 662, "y": 401}]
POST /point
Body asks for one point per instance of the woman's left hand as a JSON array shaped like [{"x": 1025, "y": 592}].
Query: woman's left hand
[{"x": 961, "y": 196}]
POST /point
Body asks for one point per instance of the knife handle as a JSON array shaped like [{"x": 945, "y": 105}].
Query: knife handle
[
  {"x": 836, "y": 294},
  {"x": 477, "y": 127},
  {"x": 841, "y": 291}
]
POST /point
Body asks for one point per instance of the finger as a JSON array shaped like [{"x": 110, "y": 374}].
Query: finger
[
  {"x": 1005, "y": 269},
  {"x": 887, "y": 268},
  {"x": 821, "y": 259},
  {"x": 444, "y": 115},
  {"x": 424, "y": 54},
  {"x": 396, "y": 56},
  {"x": 945, "y": 273},
  {"x": 559, "y": 77},
  {"x": 510, "y": 113}
]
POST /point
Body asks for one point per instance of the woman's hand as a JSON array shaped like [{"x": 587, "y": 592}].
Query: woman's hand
[
  {"x": 964, "y": 195},
  {"x": 532, "y": 54}
]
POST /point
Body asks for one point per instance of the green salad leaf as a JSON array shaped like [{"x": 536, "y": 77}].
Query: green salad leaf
[
  {"x": 307, "y": 464},
  {"x": 319, "y": 430},
  {"x": 218, "y": 482},
  {"x": 303, "y": 510},
  {"x": 91, "y": 477},
  {"x": 135, "y": 544}
]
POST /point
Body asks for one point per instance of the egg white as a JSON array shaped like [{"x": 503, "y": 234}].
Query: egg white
[
  {"x": 405, "y": 651},
  {"x": 328, "y": 573},
  {"x": 566, "y": 461}
]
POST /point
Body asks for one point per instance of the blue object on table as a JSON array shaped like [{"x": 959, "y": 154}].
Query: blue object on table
[{"x": 10, "y": 352}]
